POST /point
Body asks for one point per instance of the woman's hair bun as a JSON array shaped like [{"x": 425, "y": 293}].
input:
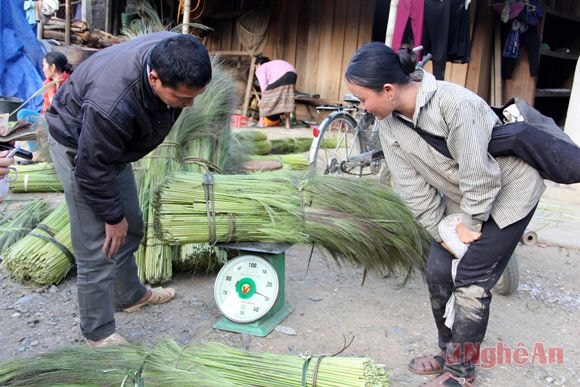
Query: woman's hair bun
[{"x": 408, "y": 59}]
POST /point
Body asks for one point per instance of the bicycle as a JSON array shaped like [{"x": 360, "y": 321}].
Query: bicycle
[{"x": 347, "y": 143}]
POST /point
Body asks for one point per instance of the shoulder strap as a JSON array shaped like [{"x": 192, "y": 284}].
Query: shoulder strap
[{"x": 436, "y": 142}]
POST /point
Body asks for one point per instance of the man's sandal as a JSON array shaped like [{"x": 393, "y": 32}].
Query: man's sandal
[
  {"x": 158, "y": 296},
  {"x": 114, "y": 339},
  {"x": 449, "y": 380},
  {"x": 427, "y": 364}
]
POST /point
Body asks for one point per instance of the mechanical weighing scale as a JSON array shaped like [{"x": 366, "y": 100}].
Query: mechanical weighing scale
[{"x": 249, "y": 290}]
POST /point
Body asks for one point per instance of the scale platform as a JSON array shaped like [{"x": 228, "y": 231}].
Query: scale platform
[{"x": 274, "y": 255}]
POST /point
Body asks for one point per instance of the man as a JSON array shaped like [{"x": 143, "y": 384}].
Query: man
[{"x": 115, "y": 108}]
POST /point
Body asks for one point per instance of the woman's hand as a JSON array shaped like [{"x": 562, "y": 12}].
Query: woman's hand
[{"x": 466, "y": 235}]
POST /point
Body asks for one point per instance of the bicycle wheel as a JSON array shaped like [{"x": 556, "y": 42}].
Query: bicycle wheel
[{"x": 338, "y": 139}]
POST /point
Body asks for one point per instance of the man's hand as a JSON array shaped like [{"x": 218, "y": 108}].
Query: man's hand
[
  {"x": 466, "y": 235},
  {"x": 5, "y": 162},
  {"x": 115, "y": 235}
]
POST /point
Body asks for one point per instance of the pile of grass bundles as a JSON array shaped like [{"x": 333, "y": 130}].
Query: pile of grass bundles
[
  {"x": 293, "y": 161},
  {"x": 44, "y": 255},
  {"x": 354, "y": 220},
  {"x": 168, "y": 364},
  {"x": 253, "y": 142},
  {"x": 16, "y": 225},
  {"x": 39, "y": 177},
  {"x": 290, "y": 145}
]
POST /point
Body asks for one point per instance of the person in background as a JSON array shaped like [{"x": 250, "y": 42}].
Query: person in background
[
  {"x": 116, "y": 107},
  {"x": 57, "y": 70},
  {"x": 30, "y": 8},
  {"x": 496, "y": 197},
  {"x": 277, "y": 80}
]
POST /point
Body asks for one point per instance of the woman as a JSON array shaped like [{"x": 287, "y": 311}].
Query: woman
[
  {"x": 277, "y": 80},
  {"x": 496, "y": 197},
  {"x": 56, "y": 69}
]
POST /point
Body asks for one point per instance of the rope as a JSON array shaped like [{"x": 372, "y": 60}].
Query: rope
[
  {"x": 231, "y": 227},
  {"x": 309, "y": 357},
  {"x": 46, "y": 229},
  {"x": 60, "y": 246},
  {"x": 208, "y": 183},
  {"x": 203, "y": 162}
]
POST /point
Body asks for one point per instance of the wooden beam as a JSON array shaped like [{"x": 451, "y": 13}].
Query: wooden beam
[{"x": 230, "y": 53}]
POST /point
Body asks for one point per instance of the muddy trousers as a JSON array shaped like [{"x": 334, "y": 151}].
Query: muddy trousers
[
  {"x": 477, "y": 274},
  {"x": 103, "y": 283}
]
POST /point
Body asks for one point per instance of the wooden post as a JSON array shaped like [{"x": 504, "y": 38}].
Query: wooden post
[
  {"x": 186, "y": 14},
  {"x": 497, "y": 81},
  {"x": 249, "y": 86},
  {"x": 67, "y": 22},
  {"x": 391, "y": 22}
]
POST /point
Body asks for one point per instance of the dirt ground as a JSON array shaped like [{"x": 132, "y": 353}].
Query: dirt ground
[{"x": 389, "y": 322}]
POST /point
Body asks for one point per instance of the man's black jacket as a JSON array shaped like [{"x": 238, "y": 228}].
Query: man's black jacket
[{"x": 108, "y": 111}]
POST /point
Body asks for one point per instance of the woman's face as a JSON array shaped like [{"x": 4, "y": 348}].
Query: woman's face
[
  {"x": 375, "y": 102},
  {"x": 48, "y": 70}
]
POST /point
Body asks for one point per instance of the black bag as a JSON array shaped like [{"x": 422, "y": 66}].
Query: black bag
[{"x": 537, "y": 140}]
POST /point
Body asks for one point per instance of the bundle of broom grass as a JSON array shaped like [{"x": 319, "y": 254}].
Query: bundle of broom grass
[
  {"x": 40, "y": 177},
  {"x": 45, "y": 254},
  {"x": 356, "y": 221},
  {"x": 293, "y": 161},
  {"x": 199, "y": 140},
  {"x": 168, "y": 364},
  {"x": 253, "y": 142},
  {"x": 290, "y": 145},
  {"x": 16, "y": 225}
]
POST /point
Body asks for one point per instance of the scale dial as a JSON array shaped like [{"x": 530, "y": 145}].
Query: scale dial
[{"x": 246, "y": 288}]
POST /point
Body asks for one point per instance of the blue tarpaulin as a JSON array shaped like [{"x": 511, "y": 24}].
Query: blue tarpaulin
[{"x": 20, "y": 55}]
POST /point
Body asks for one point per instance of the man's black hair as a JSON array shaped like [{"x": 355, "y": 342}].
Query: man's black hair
[{"x": 181, "y": 60}]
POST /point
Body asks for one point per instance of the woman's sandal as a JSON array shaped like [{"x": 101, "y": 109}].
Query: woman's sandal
[
  {"x": 114, "y": 339},
  {"x": 427, "y": 364},
  {"x": 449, "y": 380},
  {"x": 158, "y": 296}
]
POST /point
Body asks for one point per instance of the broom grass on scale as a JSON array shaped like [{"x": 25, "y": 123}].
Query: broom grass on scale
[
  {"x": 168, "y": 364},
  {"x": 356, "y": 221}
]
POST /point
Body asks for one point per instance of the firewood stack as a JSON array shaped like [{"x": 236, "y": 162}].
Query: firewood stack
[{"x": 80, "y": 34}]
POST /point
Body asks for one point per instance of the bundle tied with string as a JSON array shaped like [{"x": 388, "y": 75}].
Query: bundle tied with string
[
  {"x": 252, "y": 28},
  {"x": 45, "y": 254},
  {"x": 378, "y": 233}
]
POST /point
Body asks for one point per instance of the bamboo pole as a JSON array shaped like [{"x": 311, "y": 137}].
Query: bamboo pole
[
  {"x": 186, "y": 14},
  {"x": 67, "y": 22},
  {"x": 249, "y": 86},
  {"x": 391, "y": 22}
]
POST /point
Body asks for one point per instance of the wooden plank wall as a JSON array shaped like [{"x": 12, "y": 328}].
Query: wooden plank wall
[{"x": 317, "y": 36}]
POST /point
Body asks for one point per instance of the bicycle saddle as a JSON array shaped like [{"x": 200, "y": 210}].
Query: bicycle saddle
[{"x": 349, "y": 97}]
